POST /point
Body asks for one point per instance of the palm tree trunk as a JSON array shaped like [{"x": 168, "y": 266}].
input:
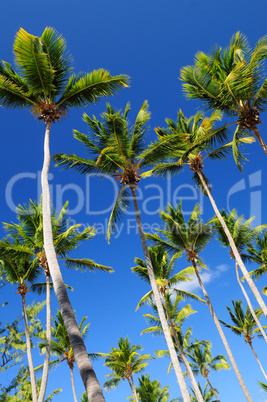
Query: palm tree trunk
[
  {"x": 72, "y": 384},
  {"x": 133, "y": 389},
  {"x": 259, "y": 138},
  {"x": 219, "y": 328},
  {"x": 48, "y": 341},
  {"x": 29, "y": 353},
  {"x": 84, "y": 365},
  {"x": 212, "y": 389},
  {"x": 183, "y": 356},
  {"x": 234, "y": 249},
  {"x": 165, "y": 327},
  {"x": 259, "y": 363},
  {"x": 249, "y": 304}
]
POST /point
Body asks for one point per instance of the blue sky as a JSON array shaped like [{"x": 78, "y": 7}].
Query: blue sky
[{"x": 150, "y": 41}]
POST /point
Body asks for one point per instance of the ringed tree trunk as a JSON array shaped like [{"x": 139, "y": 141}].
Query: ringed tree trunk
[
  {"x": 29, "y": 353},
  {"x": 249, "y": 304},
  {"x": 219, "y": 328},
  {"x": 84, "y": 365},
  {"x": 72, "y": 384},
  {"x": 234, "y": 248},
  {"x": 259, "y": 138},
  {"x": 212, "y": 389},
  {"x": 165, "y": 327},
  {"x": 183, "y": 356},
  {"x": 48, "y": 341}
]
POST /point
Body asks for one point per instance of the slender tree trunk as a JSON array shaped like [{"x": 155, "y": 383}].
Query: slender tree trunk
[
  {"x": 219, "y": 328},
  {"x": 133, "y": 389},
  {"x": 212, "y": 389},
  {"x": 183, "y": 356},
  {"x": 165, "y": 327},
  {"x": 84, "y": 365},
  {"x": 249, "y": 304},
  {"x": 72, "y": 384},
  {"x": 259, "y": 138},
  {"x": 48, "y": 341},
  {"x": 234, "y": 249},
  {"x": 259, "y": 363},
  {"x": 29, "y": 352}
]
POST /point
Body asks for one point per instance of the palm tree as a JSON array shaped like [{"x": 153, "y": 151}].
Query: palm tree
[
  {"x": 163, "y": 268},
  {"x": 48, "y": 88},
  {"x": 21, "y": 270},
  {"x": 257, "y": 253},
  {"x": 232, "y": 81},
  {"x": 114, "y": 147},
  {"x": 192, "y": 237},
  {"x": 84, "y": 397},
  {"x": 150, "y": 391},
  {"x": 125, "y": 361},
  {"x": 183, "y": 143},
  {"x": 244, "y": 324},
  {"x": 61, "y": 346},
  {"x": 206, "y": 393},
  {"x": 67, "y": 238},
  {"x": 202, "y": 361},
  {"x": 243, "y": 235}
]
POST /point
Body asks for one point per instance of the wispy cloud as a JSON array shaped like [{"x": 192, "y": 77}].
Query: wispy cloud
[{"x": 206, "y": 277}]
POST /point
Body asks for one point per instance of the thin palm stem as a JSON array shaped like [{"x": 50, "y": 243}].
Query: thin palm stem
[
  {"x": 72, "y": 384},
  {"x": 29, "y": 353},
  {"x": 219, "y": 328},
  {"x": 133, "y": 389},
  {"x": 48, "y": 341},
  {"x": 182, "y": 354},
  {"x": 212, "y": 389},
  {"x": 259, "y": 363},
  {"x": 165, "y": 327},
  {"x": 87, "y": 373},
  {"x": 234, "y": 248},
  {"x": 260, "y": 139},
  {"x": 249, "y": 304}
]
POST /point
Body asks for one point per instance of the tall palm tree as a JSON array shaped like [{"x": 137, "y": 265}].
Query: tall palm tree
[
  {"x": 257, "y": 253},
  {"x": 114, "y": 147},
  {"x": 124, "y": 361},
  {"x": 24, "y": 392},
  {"x": 207, "y": 394},
  {"x": 243, "y": 235},
  {"x": 202, "y": 361},
  {"x": 244, "y": 324},
  {"x": 47, "y": 86},
  {"x": 183, "y": 143},
  {"x": 192, "y": 237},
  {"x": 61, "y": 346},
  {"x": 150, "y": 391},
  {"x": 163, "y": 268},
  {"x": 231, "y": 80},
  {"x": 67, "y": 238}
]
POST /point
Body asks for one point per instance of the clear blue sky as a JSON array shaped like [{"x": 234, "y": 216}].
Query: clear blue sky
[{"x": 150, "y": 41}]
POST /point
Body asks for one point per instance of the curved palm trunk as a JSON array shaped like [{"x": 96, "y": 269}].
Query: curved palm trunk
[
  {"x": 249, "y": 304},
  {"x": 72, "y": 384},
  {"x": 165, "y": 327},
  {"x": 29, "y": 353},
  {"x": 212, "y": 389},
  {"x": 259, "y": 363},
  {"x": 259, "y": 138},
  {"x": 234, "y": 249},
  {"x": 196, "y": 389},
  {"x": 48, "y": 341},
  {"x": 84, "y": 365},
  {"x": 219, "y": 328}
]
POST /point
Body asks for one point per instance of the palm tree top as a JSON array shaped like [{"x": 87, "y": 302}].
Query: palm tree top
[{"x": 46, "y": 83}]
